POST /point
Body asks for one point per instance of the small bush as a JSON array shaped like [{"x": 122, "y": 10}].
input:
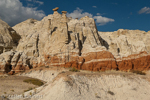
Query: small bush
[
  {"x": 97, "y": 95},
  {"x": 35, "y": 90},
  {"x": 12, "y": 90},
  {"x": 31, "y": 93},
  {"x": 138, "y": 72},
  {"x": 23, "y": 95},
  {"x": 28, "y": 89},
  {"x": 46, "y": 66},
  {"x": 110, "y": 92},
  {"x": 34, "y": 81},
  {"x": 74, "y": 69}
]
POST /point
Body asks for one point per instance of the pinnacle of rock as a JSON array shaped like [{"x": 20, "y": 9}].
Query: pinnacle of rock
[
  {"x": 55, "y": 9},
  {"x": 80, "y": 45},
  {"x": 64, "y": 12}
]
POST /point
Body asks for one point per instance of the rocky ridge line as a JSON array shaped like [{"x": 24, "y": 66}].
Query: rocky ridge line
[{"x": 57, "y": 40}]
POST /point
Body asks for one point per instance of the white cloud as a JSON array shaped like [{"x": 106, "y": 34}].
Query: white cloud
[
  {"x": 94, "y": 6},
  {"x": 78, "y": 13},
  {"x": 13, "y": 12},
  {"x": 145, "y": 10},
  {"x": 98, "y": 14},
  {"x": 39, "y": 2},
  {"x": 36, "y": 1},
  {"x": 103, "y": 20}
]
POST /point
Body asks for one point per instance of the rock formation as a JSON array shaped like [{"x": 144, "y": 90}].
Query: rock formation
[
  {"x": 57, "y": 40},
  {"x": 8, "y": 37},
  {"x": 130, "y": 48}
]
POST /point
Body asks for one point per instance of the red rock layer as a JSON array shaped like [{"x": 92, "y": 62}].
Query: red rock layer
[
  {"x": 139, "y": 62},
  {"x": 101, "y": 61},
  {"x": 93, "y": 61}
]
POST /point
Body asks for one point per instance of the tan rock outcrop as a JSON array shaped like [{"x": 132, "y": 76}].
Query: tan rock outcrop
[
  {"x": 23, "y": 27},
  {"x": 14, "y": 62},
  {"x": 8, "y": 37},
  {"x": 57, "y": 40},
  {"x": 130, "y": 48}
]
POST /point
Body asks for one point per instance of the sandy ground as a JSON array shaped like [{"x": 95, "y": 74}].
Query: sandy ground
[
  {"x": 62, "y": 84},
  {"x": 86, "y": 85},
  {"x": 13, "y": 85}
]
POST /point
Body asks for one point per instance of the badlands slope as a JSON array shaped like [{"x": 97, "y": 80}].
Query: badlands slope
[
  {"x": 57, "y": 40},
  {"x": 63, "y": 43},
  {"x": 85, "y": 85}
]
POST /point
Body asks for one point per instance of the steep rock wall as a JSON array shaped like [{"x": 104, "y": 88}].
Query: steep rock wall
[{"x": 57, "y": 40}]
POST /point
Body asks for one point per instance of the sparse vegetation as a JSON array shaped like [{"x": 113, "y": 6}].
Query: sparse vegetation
[
  {"x": 134, "y": 89},
  {"x": 23, "y": 95},
  {"x": 28, "y": 89},
  {"x": 30, "y": 93},
  {"x": 46, "y": 66},
  {"x": 97, "y": 95},
  {"x": 138, "y": 72},
  {"x": 110, "y": 92},
  {"x": 35, "y": 90},
  {"x": 63, "y": 72},
  {"x": 34, "y": 81},
  {"x": 74, "y": 69},
  {"x": 12, "y": 90}
]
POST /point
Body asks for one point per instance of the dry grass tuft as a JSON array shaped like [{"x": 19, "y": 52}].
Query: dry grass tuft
[{"x": 34, "y": 81}]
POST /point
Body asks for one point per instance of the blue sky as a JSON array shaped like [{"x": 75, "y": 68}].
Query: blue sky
[{"x": 110, "y": 15}]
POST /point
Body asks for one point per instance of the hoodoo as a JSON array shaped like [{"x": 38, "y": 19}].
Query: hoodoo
[{"x": 60, "y": 41}]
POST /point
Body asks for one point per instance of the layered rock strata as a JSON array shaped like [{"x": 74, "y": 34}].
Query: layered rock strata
[
  {"x": 8, "y": 37},
  {"x": 57, "y": 40},
  {"x": 130, "y": 48}
]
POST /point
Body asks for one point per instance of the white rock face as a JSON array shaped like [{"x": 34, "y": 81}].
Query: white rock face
[
  {"x": 57, "y": 34},
  {"x": 126, "y": 42},
  {"x": 56, "y": 37},
  {"x": 57, "y": 40},
  {"x": 5, "y": 60},
  {"x": 8, "y": 37},
  {"x": 23, "y": 27},
  {"x": 14, "y": 62},
  {"x": 87, "y": 86}
]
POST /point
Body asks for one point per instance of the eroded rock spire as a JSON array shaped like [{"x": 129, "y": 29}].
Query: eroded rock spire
[{"x": 55, "y": 10}]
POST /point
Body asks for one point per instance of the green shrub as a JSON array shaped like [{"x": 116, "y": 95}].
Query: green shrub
[
  {"x": 12, "y": 90},
  {"x": 74, "y": 69},
  {"x": 138, "y": 72},
  {"x": 28, "y": 89},
  {"x": 110, "y": 92},
  {"x": 34, "y": 81}
]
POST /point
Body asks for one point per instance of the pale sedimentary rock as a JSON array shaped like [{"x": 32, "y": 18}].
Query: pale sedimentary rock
[
  {"x": 57, "y": 40},
  {"x": 8, "y": 37},
  {"x": 130, "y": 48}
]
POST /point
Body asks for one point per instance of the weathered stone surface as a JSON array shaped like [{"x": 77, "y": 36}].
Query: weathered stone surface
[
  {"x": 126, "y": 42},
  {"x": 57, "y": 40},
  {"x": 14, "y": 62},
  {"x": 8, "y": 37},
  {"x": 25, "y": 26},
  {"x": 130, "y": 48},
  {"x": 5, "y": 61},
  {"x": 135, "y": 62},
  {"x": 55, "y": 9}
]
